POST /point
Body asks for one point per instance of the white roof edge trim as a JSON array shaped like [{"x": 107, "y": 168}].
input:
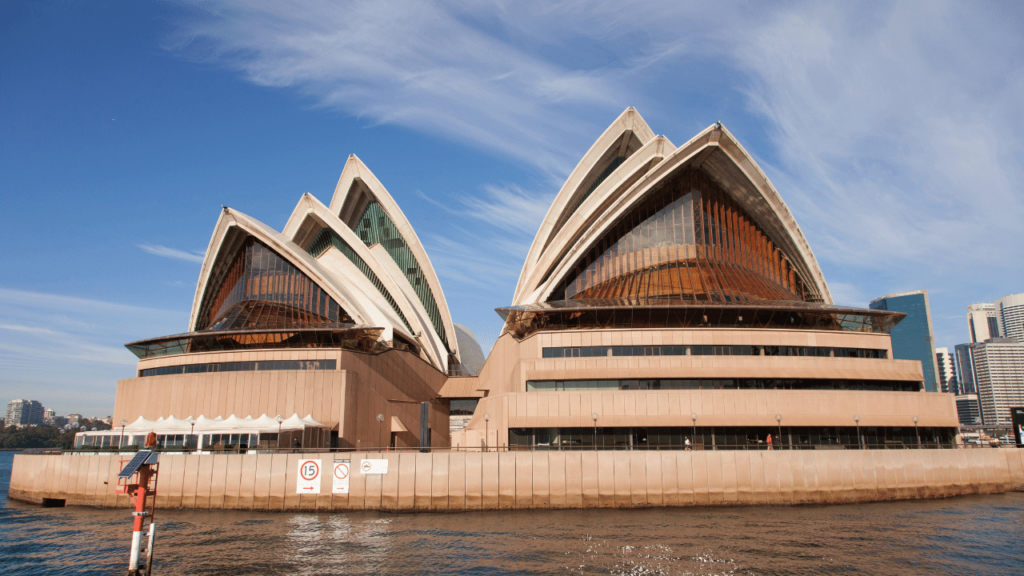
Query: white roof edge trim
[
  {"x": 657, "y": 149},
  {"x": 355, "y": 168},
  {"x": 311, "y": 208},
  {"x": 629, "y": 121}
]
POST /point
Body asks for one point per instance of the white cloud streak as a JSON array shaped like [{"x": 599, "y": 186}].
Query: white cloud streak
[{"x": 174, "y": 253}]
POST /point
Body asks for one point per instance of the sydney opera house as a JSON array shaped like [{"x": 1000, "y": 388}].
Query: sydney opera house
[{"x": 669, "y": 300}]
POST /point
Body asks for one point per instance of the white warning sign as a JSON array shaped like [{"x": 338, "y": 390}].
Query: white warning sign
[
  {"x": 309, "y": 477},
  {"x": 374, "y": 466},
  {"x": 342, "y": 469}
]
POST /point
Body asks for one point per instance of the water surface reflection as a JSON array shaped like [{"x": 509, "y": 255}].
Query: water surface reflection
[{"x": 971, "y": 535}]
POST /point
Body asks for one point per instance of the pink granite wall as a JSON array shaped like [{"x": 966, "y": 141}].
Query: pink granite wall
[{"x": 478, "y": 481}]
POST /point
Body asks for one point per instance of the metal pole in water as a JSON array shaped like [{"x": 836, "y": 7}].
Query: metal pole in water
[{"x": 149, "y": 551}]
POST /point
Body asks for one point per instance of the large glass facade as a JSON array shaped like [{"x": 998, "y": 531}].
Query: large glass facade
[
  {"x": 688, "y": 240},
  {"x": 328, "y": 238},
  {"x": 912, "y": 338},
  {"x": 730, "y": 438},
  {"x": 357, "y": 339},
  {"x": 259, "y": 289},
  {"x": 241, "y": 367},
  {"x": 523, "y": 321},
  {"x": 376, "y": 227}
]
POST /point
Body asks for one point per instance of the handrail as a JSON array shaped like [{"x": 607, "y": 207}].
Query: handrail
[{"x": 514, "y": 448}]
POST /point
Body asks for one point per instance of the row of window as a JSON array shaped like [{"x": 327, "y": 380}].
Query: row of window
[
  {"x": 668, "y": 350},
  {"x": 729, "y": 438},
  {"x": 242, "y": 367},
  {"x": 167, "y": 441},
  {"x": 722, "y": 384}
]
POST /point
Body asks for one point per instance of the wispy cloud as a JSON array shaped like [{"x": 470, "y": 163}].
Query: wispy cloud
[
  {"x": 175, "y": 253},
  {"x": 430, "y": 66},
  {"x": 75, "y": 346}
]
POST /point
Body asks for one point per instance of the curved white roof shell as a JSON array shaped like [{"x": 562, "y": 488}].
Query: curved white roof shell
[
  {"x": 357, "y": 188},
  {"x": 574, "y": 225}
]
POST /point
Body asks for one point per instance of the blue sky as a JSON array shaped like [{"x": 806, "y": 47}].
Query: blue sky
[{"x": 893, "y": 131}]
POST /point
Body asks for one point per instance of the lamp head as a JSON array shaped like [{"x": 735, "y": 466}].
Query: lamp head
[
  {"x": 487, "y": 417},
  {"x": 856, "y": 418},
  {"x": 915, "y": 419},
  {"x": 594, "y": 416},
  {"x": 693, "y": 416},
  {"x": 123, "y": 422},
  {"x": 778, "y": 417},
  {"x": 380, "y": 417}
]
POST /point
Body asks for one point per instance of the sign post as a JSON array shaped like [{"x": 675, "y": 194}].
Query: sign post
[
  {"x": 309, "y": 477},
  {"x": 373, "y": 466},
  {"x": 342, "y": 470}
]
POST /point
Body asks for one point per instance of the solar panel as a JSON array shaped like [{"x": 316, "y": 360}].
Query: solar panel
[{"x": 135, "y": 463}]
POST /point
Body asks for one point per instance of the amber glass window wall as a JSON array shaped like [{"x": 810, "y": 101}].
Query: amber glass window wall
[
  {"x": 688, "y": 240},
  {"x": 263, "y": 290}
]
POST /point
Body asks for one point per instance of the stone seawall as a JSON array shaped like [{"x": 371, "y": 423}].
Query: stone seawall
[{"x": 481, "y": 481}]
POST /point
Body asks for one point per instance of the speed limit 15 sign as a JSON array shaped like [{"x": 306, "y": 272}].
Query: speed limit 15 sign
[{"x": 309, "y": 475}]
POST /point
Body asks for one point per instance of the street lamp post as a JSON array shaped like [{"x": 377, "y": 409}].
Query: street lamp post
[
  {"x": 918, "y": 432},
  {"x": 279, "y": 421},
  {"x": 693, "y": 417},
  {"x": 120, "y": 442},
  {"x": 856, "y": 419},
  {"x": 192, "y": 433},
  {"x": 380, "y": 431},
  {"x": 487, "y": 420},
  {"x": 594, "y": 416},
  {"x": 778, "y": 419}
]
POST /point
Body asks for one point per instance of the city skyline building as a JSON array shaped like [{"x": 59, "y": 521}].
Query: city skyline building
[
  {"x": 999, "y": 368},
  {"x": 1010, "y": 314},
  {"x": 24, "y": 413},
  {"x": 982, "y": 322},
  {"x": 913, "y": 338},
  {"x": 947, "y": 370},
  {"x": 968, "y": 409},
  {"x": 964, "y": 356}
]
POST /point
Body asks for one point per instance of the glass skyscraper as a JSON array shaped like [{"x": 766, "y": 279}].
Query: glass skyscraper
[{"x": 912, "y": 338}]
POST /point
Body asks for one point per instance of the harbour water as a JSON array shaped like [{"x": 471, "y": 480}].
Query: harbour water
[{"x": 970, "y": 535}]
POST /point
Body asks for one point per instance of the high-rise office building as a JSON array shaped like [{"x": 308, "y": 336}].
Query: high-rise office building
[
  {"x": 912, "y": 338},
  {"x": 964, "y": 356},
  {"x": 999, "y": 369},
  {"x": 968, "y": 409},
  {"x": 1010, "y": 310},
  {"x": 947, "y": 372},
  {"x": 983, "y": 322},
  {"x": 48, "y": 416}
]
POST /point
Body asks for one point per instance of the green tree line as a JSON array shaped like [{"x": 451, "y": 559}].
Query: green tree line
[{"x": 12, "y": 438}]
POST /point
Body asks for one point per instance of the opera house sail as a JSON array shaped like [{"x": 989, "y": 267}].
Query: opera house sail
[
  {"x": 337, "y": 323},
  {"x": 670, "y": 299}
]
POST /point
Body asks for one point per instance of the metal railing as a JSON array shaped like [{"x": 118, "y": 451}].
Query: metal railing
[{"x": 87, "y": 450}]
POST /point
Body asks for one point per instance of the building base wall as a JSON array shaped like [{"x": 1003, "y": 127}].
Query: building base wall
[{"x": 457, "y": 481}]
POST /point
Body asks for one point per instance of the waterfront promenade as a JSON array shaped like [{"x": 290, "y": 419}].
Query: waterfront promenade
[{"x": 457, "y": 481}]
